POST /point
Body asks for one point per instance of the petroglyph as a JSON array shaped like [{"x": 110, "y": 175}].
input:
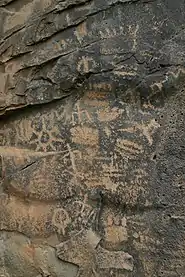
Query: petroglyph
[
  {"x": 99, "y": 90},
  {"x": 115, "y": 229},
  {"x": 83, "y": 205},
  {"x": 128, "y": 148},
  {"x": 85, "y": 135},
  {"x": 60, "y": 220},
  {"x": 133, "y": 30},
  {"x": 111, "y": 32},
  {"x": 108, "y": 114},
  {"x": 147, "y": 129},
  {"x": 96, "y": 96},
  {"x": 112, "y": 169},
  {"x": 81, "y": 31},
  {"x": 92, "y": 138},
  {"x": 85, "y": 63},
  {"x": 45, "y": 138},
  {"x": 85, "y": 213},
  {"x": 23, "y": 130},
  {"x": 80, "y": 115}
]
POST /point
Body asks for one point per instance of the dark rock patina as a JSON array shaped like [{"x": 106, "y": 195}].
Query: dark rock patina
[{"x": 92, "y": 138}]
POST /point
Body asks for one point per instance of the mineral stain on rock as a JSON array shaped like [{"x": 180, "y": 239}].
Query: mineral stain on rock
[{"x": 92, "y": 112}]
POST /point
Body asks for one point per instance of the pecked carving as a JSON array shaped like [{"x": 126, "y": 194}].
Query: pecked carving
[{"x": 92, "y": 138}]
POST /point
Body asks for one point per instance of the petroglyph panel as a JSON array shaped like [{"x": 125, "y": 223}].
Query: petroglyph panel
[
  {"x": 62, "y": 165},
  {"x": 92, "y": 138},
  {"x": 82, "y": 168}
]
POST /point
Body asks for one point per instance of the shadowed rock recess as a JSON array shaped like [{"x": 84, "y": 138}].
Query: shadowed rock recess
[{"x": 92, "y": 138}]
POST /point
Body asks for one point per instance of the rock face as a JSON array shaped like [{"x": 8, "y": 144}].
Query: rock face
[{"x": 92, "y": 138}]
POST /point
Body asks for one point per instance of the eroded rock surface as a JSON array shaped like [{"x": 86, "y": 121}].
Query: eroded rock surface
[{"x": 92, "y": 109}]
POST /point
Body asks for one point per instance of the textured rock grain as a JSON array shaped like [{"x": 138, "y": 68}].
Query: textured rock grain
[{"x": 92, "y": 110}]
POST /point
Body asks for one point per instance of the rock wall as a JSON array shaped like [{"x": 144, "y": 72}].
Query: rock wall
[{"x": 92, "y": 138}]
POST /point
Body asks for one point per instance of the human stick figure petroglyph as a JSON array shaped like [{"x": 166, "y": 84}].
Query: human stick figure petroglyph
[{"x": 60, "y": 220}]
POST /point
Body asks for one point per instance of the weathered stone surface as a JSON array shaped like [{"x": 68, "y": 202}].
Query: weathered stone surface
[
  {"x": 92, "y": 110},
  {"x": 58, "y": 45},
  {"x": 22, "y": 257}
]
